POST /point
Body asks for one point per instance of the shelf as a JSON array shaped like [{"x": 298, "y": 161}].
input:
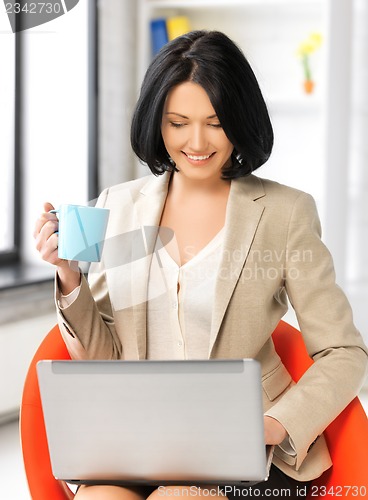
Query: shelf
[
  {"x": 225, "y": 4},
  {"x": 295, "y": 104}
]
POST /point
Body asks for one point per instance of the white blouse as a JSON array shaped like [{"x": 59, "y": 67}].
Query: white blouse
[{"x": 180, "y": 301}]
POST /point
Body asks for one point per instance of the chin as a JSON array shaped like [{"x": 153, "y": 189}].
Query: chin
[{"x": 200, "y": 173}]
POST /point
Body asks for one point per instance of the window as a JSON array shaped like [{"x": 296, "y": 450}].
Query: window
[
  {"x": 47, "y": 125},
  {"x": 9, "y": 123}
]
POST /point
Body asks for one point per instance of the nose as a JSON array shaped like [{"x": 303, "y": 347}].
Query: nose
[{"x": 198, "y": 139}]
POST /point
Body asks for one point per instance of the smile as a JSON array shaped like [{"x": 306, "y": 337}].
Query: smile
[{"x": 198, "y": 157}]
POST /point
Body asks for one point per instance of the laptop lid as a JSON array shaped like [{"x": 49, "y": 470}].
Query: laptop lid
[{"x": 157, "y": 422}]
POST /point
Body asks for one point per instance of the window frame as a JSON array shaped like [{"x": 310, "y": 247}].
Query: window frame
[{"x": 93, "y": 95}]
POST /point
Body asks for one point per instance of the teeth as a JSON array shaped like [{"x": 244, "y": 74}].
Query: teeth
[{"x": 198, "y": 158}]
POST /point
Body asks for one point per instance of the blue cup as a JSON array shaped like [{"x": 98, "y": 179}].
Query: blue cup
[{"x": 81, "y": 232}]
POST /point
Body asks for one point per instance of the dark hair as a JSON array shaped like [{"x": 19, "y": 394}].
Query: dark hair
[{"x": 212, "y": 60}]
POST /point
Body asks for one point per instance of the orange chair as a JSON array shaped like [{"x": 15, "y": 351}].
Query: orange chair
[
  {"x": 347, "y": 436},
  {"x": 42, "y": 484}
]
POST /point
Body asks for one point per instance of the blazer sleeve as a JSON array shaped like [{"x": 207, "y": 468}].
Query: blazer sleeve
[
  {"x": 87, "y": 325},
  {"x": 325, "y": 320}
]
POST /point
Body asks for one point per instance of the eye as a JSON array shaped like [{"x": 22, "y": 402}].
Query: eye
[
  {"x": 215, "y": 125},
  {"x": 176, "y": 124}
]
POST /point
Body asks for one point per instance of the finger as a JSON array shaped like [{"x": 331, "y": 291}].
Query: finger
[
  {"x": 47, "y": 206},
  {"x": 48, "y": 229},
  {"x": 49, "y": 249},
  {"x": 45, "y": 216},
  {"x": 43, "y": 221}
]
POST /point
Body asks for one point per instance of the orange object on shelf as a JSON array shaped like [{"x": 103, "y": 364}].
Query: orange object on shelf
[{"x": 308, "y": 86}]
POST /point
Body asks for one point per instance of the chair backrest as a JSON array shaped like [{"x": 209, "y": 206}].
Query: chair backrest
[
  {"x": 347, "y": 436},
  {"x": 41, "y": 482}
]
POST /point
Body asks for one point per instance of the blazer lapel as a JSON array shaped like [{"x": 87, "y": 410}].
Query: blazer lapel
[
  {"x": 242, "y": 219},
  {"x": 148, "y": 209}
]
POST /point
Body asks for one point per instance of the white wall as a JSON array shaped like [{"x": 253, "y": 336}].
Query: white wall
[
  {"x": 117, "y": 90},
  {"x": 357, "y": 235},
  {"x": 18, "y": 343}
]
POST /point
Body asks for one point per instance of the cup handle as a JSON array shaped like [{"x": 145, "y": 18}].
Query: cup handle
[{"x": 54, "y": 212}]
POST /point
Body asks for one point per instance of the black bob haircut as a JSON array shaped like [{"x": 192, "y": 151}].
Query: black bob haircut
[{"x": 212, "y": 60}]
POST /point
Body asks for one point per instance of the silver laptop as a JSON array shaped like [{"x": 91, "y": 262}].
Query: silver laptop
[{"x": 156, "y": 422}]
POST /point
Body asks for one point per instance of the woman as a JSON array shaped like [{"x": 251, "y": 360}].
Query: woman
[{"x": 215, "y": 282}]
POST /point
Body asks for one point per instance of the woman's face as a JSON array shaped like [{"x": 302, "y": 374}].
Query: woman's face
[{"x": 192, "y": 133}]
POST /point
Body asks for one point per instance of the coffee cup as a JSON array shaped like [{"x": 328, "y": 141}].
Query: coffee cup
[{"x": 81, "y": 232}]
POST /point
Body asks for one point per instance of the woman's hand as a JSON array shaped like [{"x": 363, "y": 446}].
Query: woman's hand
[
  {"x": 274, "y": 432},
  {"x": 46, "y": 237}
]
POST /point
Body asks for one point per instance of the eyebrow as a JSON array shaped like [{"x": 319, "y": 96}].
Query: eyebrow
[{"x": 186, "y": 117}]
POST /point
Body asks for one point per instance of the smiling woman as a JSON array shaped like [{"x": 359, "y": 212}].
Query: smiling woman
[{"x": 202, "y": 126}]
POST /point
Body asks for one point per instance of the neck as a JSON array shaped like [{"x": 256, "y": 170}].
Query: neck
[{"x": 184, "y": 186}]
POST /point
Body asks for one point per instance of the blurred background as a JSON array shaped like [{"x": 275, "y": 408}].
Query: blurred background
[{"x": 67, "y": 92}]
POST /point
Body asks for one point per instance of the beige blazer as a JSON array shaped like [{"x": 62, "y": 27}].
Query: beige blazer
[{"x": 272, "y": 251}]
